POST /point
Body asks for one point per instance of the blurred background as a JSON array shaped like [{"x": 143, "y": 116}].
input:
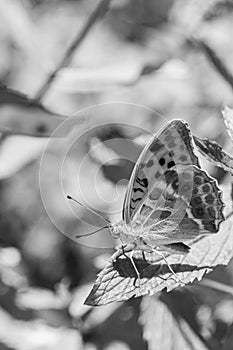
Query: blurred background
[{"x": 140, "y": 63}]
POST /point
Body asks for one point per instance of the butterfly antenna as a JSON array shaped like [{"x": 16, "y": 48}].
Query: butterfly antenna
[
  {"x": 91, "y": 210},
  {"x": 91, "y": 233}
]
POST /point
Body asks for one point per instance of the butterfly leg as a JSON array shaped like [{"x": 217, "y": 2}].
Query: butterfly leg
[
  {"x": 144, "y": 258},
  {"x": 128, "y": 248},
  {"x": 169, "y": 266},
  {"x": 135, "y": 269},
  {"x": 143, "y": 255},
  {"x": 122, "y": 250}
]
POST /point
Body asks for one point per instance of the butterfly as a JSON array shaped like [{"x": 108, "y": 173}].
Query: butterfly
[{"x": 170, "y": 200}]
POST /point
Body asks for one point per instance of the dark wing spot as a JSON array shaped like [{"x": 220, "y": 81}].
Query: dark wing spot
[
  {"x": 138, "y": 189},
  {"x": 162, "y": 161},
  {"x": 189, "y": 224},
  {"x": 211, "y": 212},
  {"x": 157, "y": 175},
  {"x": 195, "y": 201},
  {"x": 171, "y": 164},
  {"x": 41, "y": 128},
  {"x": 210, "y": 225},
  {"x": 206, "y": 188},
  {"x": 197, "y": 180},
  {"x": 142, "y": 182},
  {"x": 156, "y": 146},
  {"x": 171, "y": 175},
  {"x": 137, "y": 199},
  {"x": 195, "y": 190},
  {"x": 175, "y": 184},
  {"x": 198, "y": 212},
  {"x": 150, "y": 163},
  {"x": 209, "y": 198},
  {"x": 141, "y": 166},
  {"x": 165, "y": 214}
]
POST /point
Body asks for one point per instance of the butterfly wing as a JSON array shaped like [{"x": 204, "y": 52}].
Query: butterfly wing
[{"x": 169, "y": 191}]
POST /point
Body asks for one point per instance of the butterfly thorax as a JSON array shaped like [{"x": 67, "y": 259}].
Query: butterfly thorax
[
  {"x": 129, "y": 234},
  {"x": 121, "y": 229},
  {"x": 143, "y": 238}
]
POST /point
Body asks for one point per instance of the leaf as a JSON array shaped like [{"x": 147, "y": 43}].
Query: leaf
[
  {"x": 214, "y": 153},
  {"x": 228, "y": 120},
  {"x": 39, "y": 299},
  {"x": 33, "y": 334},
  {"x": 229, "y": 339},
  {"x": 220, "y": 8},
  {"x": 101, "y": 78},
  {"x": 21, "y": 115},
  {"x": 117, "y": 281},
  {"x": 17, "y": 151},
  {"x": 165, "y": 330}
]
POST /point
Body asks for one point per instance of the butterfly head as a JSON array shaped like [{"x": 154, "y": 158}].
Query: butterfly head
[{"x": 116, "y": 230}]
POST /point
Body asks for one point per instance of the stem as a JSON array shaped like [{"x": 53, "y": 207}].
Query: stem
[
  {"x": 228, "y": 215},
  {"x": 221, "y": 287},
  {"x": 216, "y": 61},
  {"x": 98, "y": 13}
]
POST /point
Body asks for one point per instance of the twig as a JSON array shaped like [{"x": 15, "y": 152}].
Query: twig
[
  {"x": 221, "y": 287},
  {"x": 216, "y": 61},
  {"x": 228, "y": 215},
  {"x": 99, "y": 12}
]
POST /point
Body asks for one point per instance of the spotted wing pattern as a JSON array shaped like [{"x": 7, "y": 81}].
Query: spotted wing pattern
[{"x": 168, "y": 191}]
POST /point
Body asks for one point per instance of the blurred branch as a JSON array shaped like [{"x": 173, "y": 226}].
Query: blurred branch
[
  {"x": 98, "y": 13},
  {"x": 216, "y": 61},
  {"x": 221, "y": 287}
]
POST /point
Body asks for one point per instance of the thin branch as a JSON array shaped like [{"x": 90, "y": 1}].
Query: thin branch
[
  {"x": 221, "y": 287},
  {"x": 216, "y": 61},
  {"x": 98, "y": 13},
  {"x": 229, "y": 215}
]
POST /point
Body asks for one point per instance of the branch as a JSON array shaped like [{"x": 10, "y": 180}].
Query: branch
[
  {"x": 221, "y": 287},
  {"x": 98, "y": 13},
  {"x": 216, "y": 61}
]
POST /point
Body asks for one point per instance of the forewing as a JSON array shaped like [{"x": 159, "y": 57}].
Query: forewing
[{"x": 170, "y": 148}]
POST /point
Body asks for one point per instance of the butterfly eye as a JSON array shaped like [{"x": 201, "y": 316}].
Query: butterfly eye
[{"x": 115, "y": 231}]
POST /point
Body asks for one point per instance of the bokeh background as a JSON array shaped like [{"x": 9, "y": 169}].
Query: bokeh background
[{"x": 142, "y": 64}]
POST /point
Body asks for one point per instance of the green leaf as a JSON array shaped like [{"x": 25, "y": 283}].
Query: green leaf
[
  {"x": 165, "y": 330},
  {"x": 24, "y": 116},
  {"x": 117, "y": 281},
  {"x": 214, "y": 153}
]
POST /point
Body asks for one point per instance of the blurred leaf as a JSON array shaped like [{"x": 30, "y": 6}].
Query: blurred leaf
[
  {"x": 166, "y": 330},
  {"x": 228, "y": 341},
  {"x": 38, "y": 298},
  {"x": 76, "y": 307},
  {"x": 228, "y": 120},
  {"x": 21, "y": 115},
  {"x": 117, "y": 345},
  {"x": 35, "y": 335},
  {"x": 214, "y": 153},
  {"x": 91, "y": 79},
  {"x": 220, "y": 8},
  {"x": 18, "y": 151},
  {"x": 191, "y": 14},
  {"x": 98, "y": 78},
  {"x": 117, "y": 281}
]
